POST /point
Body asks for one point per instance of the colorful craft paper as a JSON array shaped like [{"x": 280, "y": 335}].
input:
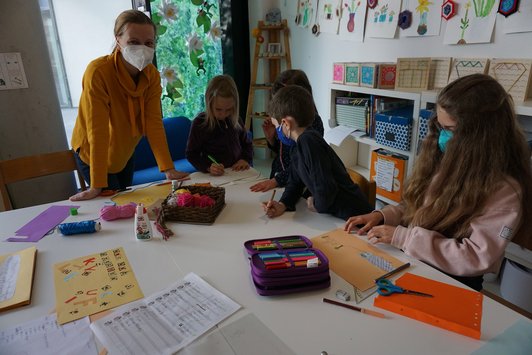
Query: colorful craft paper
[
  {"x": 38, "y": 227},
  {"x": 93, "y": 283}
]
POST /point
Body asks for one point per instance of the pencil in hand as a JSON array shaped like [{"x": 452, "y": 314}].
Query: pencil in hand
[{"x": 271, "y": 199}]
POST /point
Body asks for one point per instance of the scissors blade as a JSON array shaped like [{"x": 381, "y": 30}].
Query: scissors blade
[{"x": 416, "y": 293}]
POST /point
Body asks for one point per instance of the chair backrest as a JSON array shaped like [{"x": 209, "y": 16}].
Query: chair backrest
[
  {"x": 369, "y": 188},
  {"x": 25, "y": 168},
  {"x": 177, "y": 130}
]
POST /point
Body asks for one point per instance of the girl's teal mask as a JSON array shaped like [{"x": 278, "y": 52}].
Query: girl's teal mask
[{"x": 444, "y": 137}]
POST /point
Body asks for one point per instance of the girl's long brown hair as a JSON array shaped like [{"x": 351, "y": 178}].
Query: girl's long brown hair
[
  {"x": 487, "y": 147},
  {"x": 221, "y": 86}
]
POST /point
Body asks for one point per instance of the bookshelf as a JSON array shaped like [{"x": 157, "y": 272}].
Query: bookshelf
[{"x": 358, "y": 156}]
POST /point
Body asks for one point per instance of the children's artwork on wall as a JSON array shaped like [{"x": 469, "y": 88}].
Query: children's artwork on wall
[
  {"x": 426, "y": 18},
  {"x": 338, "y": 73},
  {"x": 305, "y": 11},
  {"x": 513, "y": 75},
  {"x": 466, "y": 66},
  {"x": 329, "y": 16},
  {"x": 473, "y": 23},
  {"x": 412, "y": 74},
  {"x": 382, "y": 20},
  {"x": 521, "y": 21},
  {"x": 353, "y": 20},
  {"x": 439, "y": 73}
]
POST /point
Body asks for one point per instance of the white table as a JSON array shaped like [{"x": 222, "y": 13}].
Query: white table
[{"x": 216, "y": 253}]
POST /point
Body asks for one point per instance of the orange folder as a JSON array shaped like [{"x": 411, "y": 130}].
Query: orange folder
[{"x": 452, "y": 308}]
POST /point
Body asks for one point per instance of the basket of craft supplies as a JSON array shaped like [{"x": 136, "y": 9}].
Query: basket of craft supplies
[{"x": 194, "y": 204}]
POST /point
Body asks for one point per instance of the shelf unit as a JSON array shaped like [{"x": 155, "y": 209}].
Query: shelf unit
[
  {"x": 270, "y": 65},
  {"x": 360, "y": 159}
]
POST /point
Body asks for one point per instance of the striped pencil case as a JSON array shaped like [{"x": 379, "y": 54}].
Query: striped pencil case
[{"x": 280, "y": 267}]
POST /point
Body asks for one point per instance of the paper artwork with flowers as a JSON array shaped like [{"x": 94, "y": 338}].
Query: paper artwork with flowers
[
  {"x": 426, "y": 18},
  {"x": 353, "y": 20},
  {"x": 473, "y": 23},
  {"x": 188, "y": 52}
]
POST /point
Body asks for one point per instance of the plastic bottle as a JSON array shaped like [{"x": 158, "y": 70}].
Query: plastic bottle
[{"x": 142, "y": 224}]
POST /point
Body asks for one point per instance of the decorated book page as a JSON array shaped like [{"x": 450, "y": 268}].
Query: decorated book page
[
  {"x": 353, "y": 20},
  {"x": 426, "y": 18},
  {"x": 329, "y": 16},
  {"x": 473, "y": 23},
  {"x": 520, "y": 21},
  {"x": 93, "y": 283},
  {"x": 382, "y": 20}
]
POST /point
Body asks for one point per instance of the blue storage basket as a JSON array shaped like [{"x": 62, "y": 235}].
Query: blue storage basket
[
  {"x": 394, "y": 128},
  {"x": 423, "y": 128}
]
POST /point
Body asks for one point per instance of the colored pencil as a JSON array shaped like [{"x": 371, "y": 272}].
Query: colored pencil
[
  {"x": 355, "y": 308},
  {"x": 394, "y": 271}
]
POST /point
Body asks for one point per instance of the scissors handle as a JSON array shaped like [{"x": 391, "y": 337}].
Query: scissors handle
[{"x": 385, "y": 287}]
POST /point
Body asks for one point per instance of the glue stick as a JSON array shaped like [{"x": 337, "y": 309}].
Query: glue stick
[{"x": 142, "y": 224}]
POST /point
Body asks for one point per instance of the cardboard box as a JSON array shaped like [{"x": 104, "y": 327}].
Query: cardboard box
[{"x": 388, "y": 170}]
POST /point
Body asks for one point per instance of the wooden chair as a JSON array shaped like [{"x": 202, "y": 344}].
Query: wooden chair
[
  {"x": 369, "y": 188},
  {"x": 25, "y": 168}
]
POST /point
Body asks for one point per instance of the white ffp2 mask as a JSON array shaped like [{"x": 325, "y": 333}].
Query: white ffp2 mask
[{"x": 138, "y": 56}]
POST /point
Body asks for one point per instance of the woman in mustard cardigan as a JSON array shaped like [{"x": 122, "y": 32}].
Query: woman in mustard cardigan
[{"x": 119, "y": 104}]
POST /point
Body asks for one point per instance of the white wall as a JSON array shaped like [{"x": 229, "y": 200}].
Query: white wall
[
  {"x": 86, "y": 33},
  {"x": 315, "y": 55}
]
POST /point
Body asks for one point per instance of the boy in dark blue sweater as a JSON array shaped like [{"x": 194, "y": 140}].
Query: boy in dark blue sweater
[{"x": 314, "y": 164}]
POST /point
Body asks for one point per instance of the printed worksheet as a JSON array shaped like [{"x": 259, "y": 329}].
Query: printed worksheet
[
  {"x": 167, "y": 321},
  {"x": 44, "y": 336}
]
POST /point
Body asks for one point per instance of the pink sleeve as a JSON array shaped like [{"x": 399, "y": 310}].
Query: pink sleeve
[
  {"x": 482, "y": 252},
  {"x": 392, "y": 214}
]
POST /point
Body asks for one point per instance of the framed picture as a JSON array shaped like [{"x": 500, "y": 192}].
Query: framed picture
[
  {"x": 352, "y": 74},
  {"x": 274, "y": 48},
  {"x": 338, "y": 73}
]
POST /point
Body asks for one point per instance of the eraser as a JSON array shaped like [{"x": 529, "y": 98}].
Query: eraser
[{"x": 342, "y": 295}]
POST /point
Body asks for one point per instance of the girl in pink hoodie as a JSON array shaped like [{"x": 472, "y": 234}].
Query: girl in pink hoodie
[{"x": 470, "y": 191}]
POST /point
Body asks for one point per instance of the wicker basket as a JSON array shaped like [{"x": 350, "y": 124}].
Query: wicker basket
[{"x": 200, "y": 215}]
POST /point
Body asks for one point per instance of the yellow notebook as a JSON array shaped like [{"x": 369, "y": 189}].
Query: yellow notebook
[{"x": 16, "y": 278}]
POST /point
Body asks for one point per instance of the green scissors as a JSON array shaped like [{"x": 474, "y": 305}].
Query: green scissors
[{"x": 385, "y": 288}]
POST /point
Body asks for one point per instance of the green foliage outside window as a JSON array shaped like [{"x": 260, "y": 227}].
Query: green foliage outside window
[{"x": 189, "y": 52}]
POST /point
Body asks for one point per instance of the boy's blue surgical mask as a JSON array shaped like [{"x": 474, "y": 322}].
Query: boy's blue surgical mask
[
  {"x": 284, "y": 139},
  {"x": 444, "y": 137}
]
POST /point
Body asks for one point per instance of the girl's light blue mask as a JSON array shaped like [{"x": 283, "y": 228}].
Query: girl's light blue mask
[
  {"x": 444, "y": 137},
  {"x": 284, "y": 139}
]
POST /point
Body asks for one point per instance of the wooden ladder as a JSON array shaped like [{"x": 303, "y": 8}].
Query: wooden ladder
[{"x": 274, "y": 54}]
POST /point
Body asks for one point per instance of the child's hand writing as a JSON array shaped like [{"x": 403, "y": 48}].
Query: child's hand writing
[
  {"x": 216, "y": 169},
  {"x": 240, "y": 165},
  {"x": 367, "y": 221},
  {"x": 273, "y": 208},
  {"x": 264, "y": 186}
]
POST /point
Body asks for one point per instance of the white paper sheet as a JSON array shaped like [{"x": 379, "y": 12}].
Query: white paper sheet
[
  {"x": 385, "y": 172},
  {"x": 247, "y": 335},
  {"x": 8, "y": 276},
  {"x": 228, "y": 177},
  {"x": 338, "y": 134},
  {"x": 166, "y": 321},
  {"x": 44, "y": 336}
]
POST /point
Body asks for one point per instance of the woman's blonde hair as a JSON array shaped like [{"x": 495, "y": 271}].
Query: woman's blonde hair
[
  {"x": 487, "y": 147},
  {"x": 131, "y": 16},
  {"x": 221, "y": 86}
]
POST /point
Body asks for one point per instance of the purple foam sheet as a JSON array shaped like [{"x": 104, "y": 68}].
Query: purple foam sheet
[{"x": 38, "y": 227}]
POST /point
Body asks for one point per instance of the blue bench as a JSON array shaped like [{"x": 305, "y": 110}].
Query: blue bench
[{"x": 146, "y": 169}]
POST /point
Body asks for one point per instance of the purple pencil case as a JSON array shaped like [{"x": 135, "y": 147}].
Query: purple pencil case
[{"x": 287, "y": 270}]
